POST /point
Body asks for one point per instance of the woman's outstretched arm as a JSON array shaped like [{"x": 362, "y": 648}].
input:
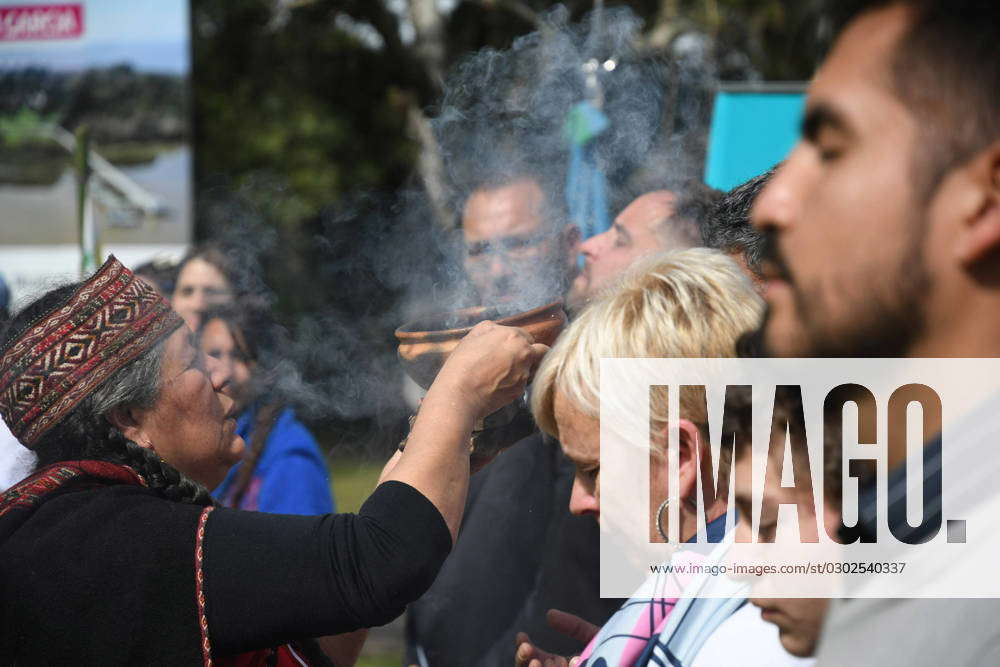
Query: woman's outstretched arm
[{"x": 488, "y": 370}]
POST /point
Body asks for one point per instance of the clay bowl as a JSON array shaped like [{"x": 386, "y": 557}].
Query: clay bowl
[{"x": 425, "y": 343}]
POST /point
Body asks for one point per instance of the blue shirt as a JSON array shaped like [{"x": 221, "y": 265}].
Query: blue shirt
[
  {"x": 715, "y": 530},
  {"x": 291, "y": 475}
]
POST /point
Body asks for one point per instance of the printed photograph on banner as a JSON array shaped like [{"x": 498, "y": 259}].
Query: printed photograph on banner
[{"x": 95, "y": 137}]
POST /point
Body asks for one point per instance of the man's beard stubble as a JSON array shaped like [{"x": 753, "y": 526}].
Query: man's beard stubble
[{"x": 884, "y": 324}]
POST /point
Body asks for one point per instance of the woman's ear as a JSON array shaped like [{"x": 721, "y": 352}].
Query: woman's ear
[
  {"x": 127, "y": 421},
  {"x": 688, "y": 459}
]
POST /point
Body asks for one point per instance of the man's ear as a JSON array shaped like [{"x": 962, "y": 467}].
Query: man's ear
[
  {"x": 980, "y": 208},
  {"x": 571, "y": 241},
  {"x": 688, "y": 459},
  {"x": 127, "y": 421}
]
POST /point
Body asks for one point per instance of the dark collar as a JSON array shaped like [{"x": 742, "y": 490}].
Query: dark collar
[{"x": 20, "y": 501}]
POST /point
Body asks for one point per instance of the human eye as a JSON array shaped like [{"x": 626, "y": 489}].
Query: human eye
[
  {"x": 477, "y": 249},
  {"x": 622, "y": 238},
  {"x": 198, "y": 361},
  {"x": 829, "y": 145},
  {"x": 517, "y": 247},
  {"x": 828, "y": 154}
]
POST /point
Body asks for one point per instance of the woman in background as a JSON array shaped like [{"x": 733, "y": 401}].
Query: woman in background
[
  {"x": 206, "y": 277},
  {"x": 283, "y": 471}
]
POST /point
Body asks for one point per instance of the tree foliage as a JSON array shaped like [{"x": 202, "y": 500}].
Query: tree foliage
[{"x": 311, "y": 115}]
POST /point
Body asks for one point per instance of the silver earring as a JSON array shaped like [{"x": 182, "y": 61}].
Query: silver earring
[{"x": 659, "y": 520}]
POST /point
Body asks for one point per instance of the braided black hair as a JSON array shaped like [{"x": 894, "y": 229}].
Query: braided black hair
[{"x": 86, "y": 432}]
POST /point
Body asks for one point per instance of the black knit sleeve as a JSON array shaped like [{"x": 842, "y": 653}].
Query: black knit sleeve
[{"x": 271, "y": 578}]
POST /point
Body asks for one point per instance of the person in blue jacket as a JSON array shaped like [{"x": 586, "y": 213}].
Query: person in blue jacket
[{"x": 283, "y": 470}]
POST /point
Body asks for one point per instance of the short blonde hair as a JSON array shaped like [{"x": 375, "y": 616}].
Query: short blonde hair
[{"x": 689, "y": 303}]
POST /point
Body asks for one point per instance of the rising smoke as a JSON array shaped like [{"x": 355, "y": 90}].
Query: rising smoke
[{"x": 387, "y": 258}]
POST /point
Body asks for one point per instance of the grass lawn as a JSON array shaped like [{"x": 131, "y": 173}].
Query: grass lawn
[
  {"x": 379, "y": 660},
  {"x": 353, "y": 481}
]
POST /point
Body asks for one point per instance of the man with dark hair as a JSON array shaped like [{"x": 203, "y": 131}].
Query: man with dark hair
[
  {"x": 728, "y": 228},
  {"x": 519, "y": 246},
  {"x": 654, "y": 222},
  {"x": 884, "y": 240},
  {"x": 520, "y": 552}
]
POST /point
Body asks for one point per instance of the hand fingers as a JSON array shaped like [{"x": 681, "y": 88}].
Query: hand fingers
[
  {"x": 518, "y": 331},
  {"x": 571, "y": 625},
  {"x": 481, "y": 328},
  {"x": 525, "y": 651},
  {"x": 538, "y": 351},
  {"x": 525, "y": 656}
]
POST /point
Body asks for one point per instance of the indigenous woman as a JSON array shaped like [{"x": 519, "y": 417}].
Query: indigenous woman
[
  {"x": 112, "y": 552},
  {"x": 283, "y": 470},
  {"x": 694, "y": 303}
]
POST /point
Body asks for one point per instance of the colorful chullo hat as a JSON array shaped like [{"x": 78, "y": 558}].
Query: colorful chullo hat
[{"x": 63, "y": 356}]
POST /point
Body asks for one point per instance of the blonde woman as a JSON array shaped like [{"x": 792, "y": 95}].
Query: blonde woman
[{"x": 694, "y": 303}]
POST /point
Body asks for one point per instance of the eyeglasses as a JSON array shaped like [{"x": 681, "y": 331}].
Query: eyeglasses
[{"x": 508, "y": 247}]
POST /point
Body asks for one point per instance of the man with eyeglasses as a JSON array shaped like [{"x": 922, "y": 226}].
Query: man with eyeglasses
[
  {"x": 519, "y": 247},
  {"x": 521, "y": 552}
]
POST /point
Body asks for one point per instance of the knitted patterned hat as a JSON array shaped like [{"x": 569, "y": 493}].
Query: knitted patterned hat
[{"x": 62, "y": 357}]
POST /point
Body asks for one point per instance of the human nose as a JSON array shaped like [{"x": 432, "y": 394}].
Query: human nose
[
  {"x": 498, "y": 265},
  {"x": 582, "y": 500},
  {"x": 219, "y": 372},
  {"x": 199, "y": 300},
  {"x": 593, "y": 246}
]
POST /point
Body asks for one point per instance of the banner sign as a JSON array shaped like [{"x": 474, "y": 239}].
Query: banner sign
[{"x": 30, "y": 22}]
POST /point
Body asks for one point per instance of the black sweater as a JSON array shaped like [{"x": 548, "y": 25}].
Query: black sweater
[{"x": 107, "y": 575}]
